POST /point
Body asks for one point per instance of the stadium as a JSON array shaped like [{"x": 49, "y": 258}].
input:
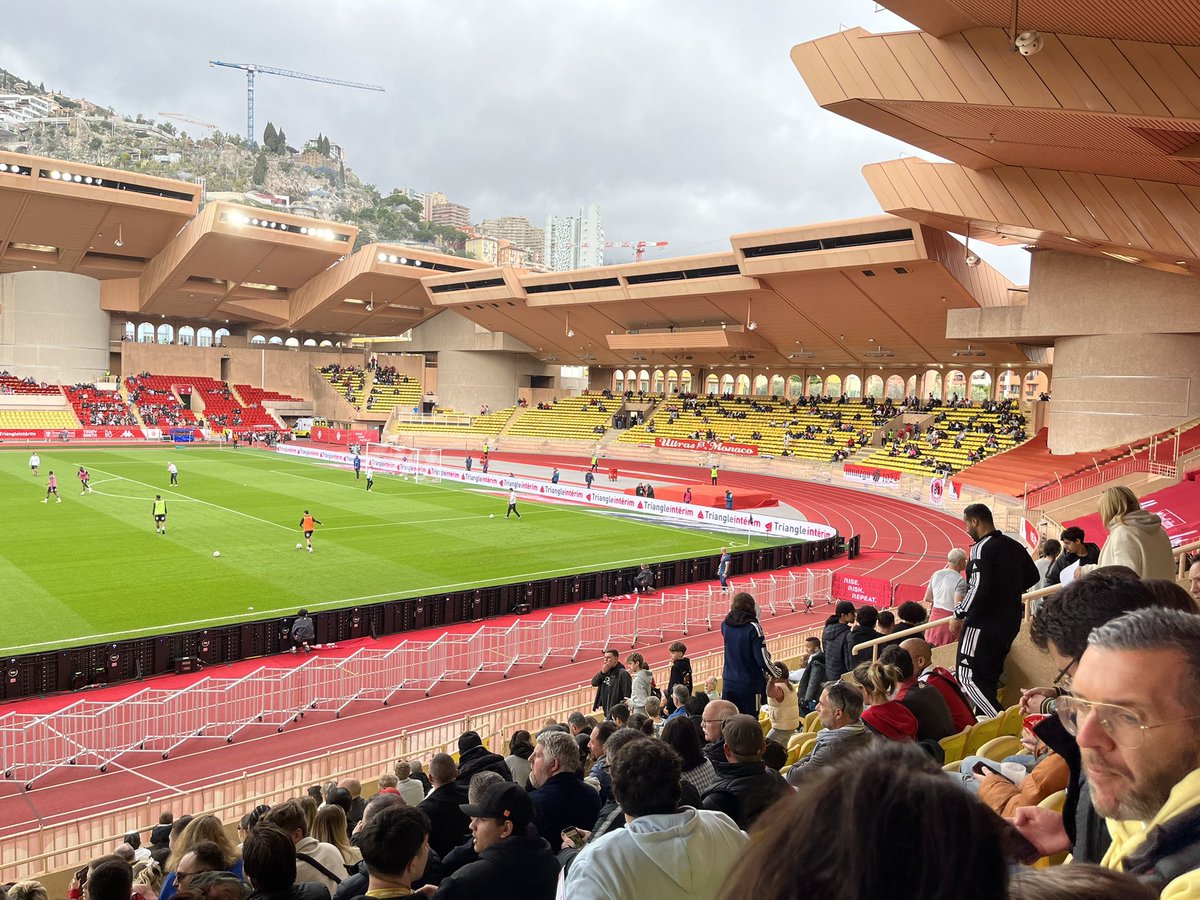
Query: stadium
[{"x": 288, "y": 509}]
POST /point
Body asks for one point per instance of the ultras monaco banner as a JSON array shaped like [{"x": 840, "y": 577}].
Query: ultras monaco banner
[
  {"x": 670, "y": 443},
  {"x": 871, "y": 475},
  {"x": 733, "y": 520}
]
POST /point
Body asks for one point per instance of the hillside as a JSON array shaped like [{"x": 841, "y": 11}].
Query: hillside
[{"x": 313, "y": 178}]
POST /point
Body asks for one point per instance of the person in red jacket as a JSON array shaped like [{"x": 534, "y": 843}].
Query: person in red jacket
[
  {"x": 889, "y": 718},
  {"x": 937, "y": 677}
]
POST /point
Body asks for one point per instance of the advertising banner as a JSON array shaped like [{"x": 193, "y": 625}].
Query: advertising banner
[
  {"x": 670, "y": 443},
  {"x": 871, "y": 475},
  {"x": 94, "y": 433},
  {"x": 861, "y": 589},
  {"x": 721, "y": 519},
  {"x": 344, "y": 436}
]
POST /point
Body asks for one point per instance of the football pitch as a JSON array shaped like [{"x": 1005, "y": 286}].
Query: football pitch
[{"x": 92, "y": 569}]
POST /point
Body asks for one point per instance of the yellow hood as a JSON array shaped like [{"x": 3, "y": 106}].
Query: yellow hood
[{"x": 1128, "y": 835}]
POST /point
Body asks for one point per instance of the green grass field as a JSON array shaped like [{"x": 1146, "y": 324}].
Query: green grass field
[{"x": 92, "y": 568}]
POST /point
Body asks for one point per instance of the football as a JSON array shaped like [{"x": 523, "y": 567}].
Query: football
[
  {"x": 492, "y": 516},
  {"x": 216, "y": 553},
  {"x": 299, "y": 546}
]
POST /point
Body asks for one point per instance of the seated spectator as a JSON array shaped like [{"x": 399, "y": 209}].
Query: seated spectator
[
  {"x": 940, "y": 679},
  {"x": 619, "y": 714},
  {"x": 863, "y": 630},
  {"x": 109, "y": 878},
  {"x": 205, "y": 856},
  {"x": 933, "y": 715},
  {"x": 192, "y": 832},
  {"x": 886, "y": 622},
  {"x": 357, "y": 802},
  {"x": 774, "y": 755},
  {"x": 448, "y": 824},
  {"x": 474, "y": 757},
  {"x": 514, "y": 862},
  {"x": 911, "y": 614},
  {"x": 271, "y": 868},
  {"x": 1145, "y": 787},
  {"x": 464, "y": 854},
  {"x": 664, "y": 851},
  {"x": 1075, "y": 881},
  {"x": 745, "y": 787},
  {"x": 680, "y": 696},
  {"x": 1046, "y": 773},
  {"x": 1047, "y": 552},
  {"x": 329, "y": 827},
  {"x": 654, "y": 714},
  {"x": 27, "y": 890},
  {"x": 419, "y": 775},
  {"x": 162, "y": 831},
  {"x": 560, "y": 797},
  {"x": 1169, "y": 595},
  {"x": 581, "y": 727},
  {"x": 520, "y": 750},
  {"x": 315, "y": 862},
  {"x": 812, "y": 679},
  {"x": 598, "y": 776},
  {"x": 883, "y": 715},
  {"x": 842, "y": 731},
  {"x": 712, "y": 722},
  {"x": 837, "y": 838},
  {"x": 684, "y": 737}
]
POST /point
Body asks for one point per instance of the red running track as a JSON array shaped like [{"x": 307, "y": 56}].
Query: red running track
[{"x": 902, "y": 542}]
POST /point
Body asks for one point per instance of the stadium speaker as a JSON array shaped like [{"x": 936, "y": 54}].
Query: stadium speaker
[
  {"x": 186, "y": 664},
  {"x": 522, "y": 609}
]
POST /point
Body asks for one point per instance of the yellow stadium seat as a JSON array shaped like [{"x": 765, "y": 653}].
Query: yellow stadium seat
[
  {"x": 1014, "y": 721},
  {"x": 812, "y": 722},
  {"x": 999, "y": 747},
  {"x": 954, "y": 745},
  {"x": 807, "y": 747},
  {"x": 982, "y": 733},
  {"x": 799, "y": 738}
]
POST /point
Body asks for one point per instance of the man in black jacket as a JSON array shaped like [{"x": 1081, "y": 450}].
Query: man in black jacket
[
  {"x": 473, "y": 757},
  {"x": 863, "y": 630},
  {"x": 835, "y": 638},
  {"x": 989, "y": 616},
  {"x": 612, "y": 683},
  {"x": 514, "y": 862},
  {"x": 448, "y": 824},
  {"x": 560, "y": 797},
  {"x": 745, "y": 787},
  {"x": 1075, "y": 550}
]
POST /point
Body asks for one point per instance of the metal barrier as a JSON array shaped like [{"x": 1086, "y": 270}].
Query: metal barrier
[{"x": 158, "y": 721}]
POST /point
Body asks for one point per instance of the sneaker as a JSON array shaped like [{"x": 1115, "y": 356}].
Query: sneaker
[
  {"x": 310, "y": 549},
  {"x": 60, "y": 499},
  {"x": 45, "y": 501}
]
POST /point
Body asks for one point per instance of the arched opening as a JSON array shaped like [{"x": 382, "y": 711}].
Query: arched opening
[
  {"x": 292, "y": 342},
  {"x": 310, "y": 342},
  {"x": 204, "y": 337},
  {"x": 672, "y": 381},
  {"x": 853, "y": 386},
  {"x": 931, "y": 384},
  {"x": 187, "y": 335},
  {"x": 145, "y": 333},
  {"x": 795, "y": 387},
  {"x": 275, "y": 340},
  {"x": 685, "y": 381},
  {"x": 258, "y": 339},
  {"x": 130, "y": 331},
  {"x": 658, "y": 381},
  {"x": 219, "y": 337},
  {"x": 1009, "y": 385},
  {"x": 956, "y": 385},
  {"x": 875, "y": 387},
  {"x": 777, "y": 386},
  {"x": 743, "y": 385},
  {"x": 712, "y": 385},
  {"x": 643, "y": 380},
  {"x": 618, "y": 385},
  {"x": 726, "y": 384},
  {"x": 760, "y": 385},
  {"x": 833, "y": 386},
  {"x": 166, "y": 333},
  {"x": 895, "y": 388},
  {"x": 1036, "y": 383},
  {"x": 981, "y": 385},
  {"x": 325, "y": 343},
  {"x": 814, "y": 385},
  {"x": 910, "y": 387}
]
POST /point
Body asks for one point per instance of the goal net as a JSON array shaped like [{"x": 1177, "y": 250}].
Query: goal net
[{"x": 420, "y": 464}]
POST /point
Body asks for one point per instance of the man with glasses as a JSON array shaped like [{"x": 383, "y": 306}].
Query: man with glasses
[
  {"x": 206, "y": 856},
  {"x": 1061, "y": 628},
  {"x": 1135, "y": 713},
  {"x": 712, "y": 722}
]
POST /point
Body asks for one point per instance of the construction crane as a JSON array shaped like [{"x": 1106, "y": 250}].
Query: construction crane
[
  {"x": 639, "y": 247},
  {"x": 180, "y": 117},
  {"x": 251, "y": 69}
]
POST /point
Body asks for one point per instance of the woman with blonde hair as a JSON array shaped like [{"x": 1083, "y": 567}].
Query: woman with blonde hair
[
  {"x": 783, "y": 707},
  {"x": 883, "y": 715},
  {"x": 1136, "y": 538},
  {"x": 201, "y": 828},
  {"x": 330, "y": 828},
  {"x": 28, "y": 890}
]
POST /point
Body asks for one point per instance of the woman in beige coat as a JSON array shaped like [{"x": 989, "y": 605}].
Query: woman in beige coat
[{"x": 1136, "y": 538}]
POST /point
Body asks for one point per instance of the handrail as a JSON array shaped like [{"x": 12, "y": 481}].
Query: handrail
[{"x": 1180, "y": 553}]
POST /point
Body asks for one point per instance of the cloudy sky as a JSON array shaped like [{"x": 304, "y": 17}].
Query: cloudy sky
[{"x": 684, "y": 122}]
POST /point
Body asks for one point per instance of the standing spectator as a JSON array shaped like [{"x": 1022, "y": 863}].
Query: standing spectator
[
  {"x": 813, "y": 676},
  {"x": 681, "y": 672},
  {"x": 745, "y": 787},
  {"x": 1048, "y": 552},
  {"x": 612, "y": 683},
  {"x": 747, "y": 660},
  {"x": 842, "y": 731},
  {"x": 783, "y": 707},
  {"x": 162, "y": 831},
  {"x": 940, "y": 595},
  {"x": 684, "y": 737},
  {"x": 271, "y": 867},
  {"x": 641, "y": 682},
  {"x": 520, "y": 749},
  {"x": 514, "y": 862},
  {"x": 836, "y": 639},
  {"x": 1075, "y": 550},
  {"x": 474, "y": 757},
  {"x": 315, "y": 862},
  {"x": 410, "y": 789},
  {"x": 663, "y": 852},
  {"x": 837, "y": 838},
  {"x": 1136, "y": 538},
  {"x": 722, "y": 563},
  {"x": 654, "y": 714},
  {"x": 560, "y": 797},
  {"x": 989, "y": 617},
  {"x": 448, "y": 823},
  {"x": 883, "y": 715},
  {"x": 863, "y": 631}
]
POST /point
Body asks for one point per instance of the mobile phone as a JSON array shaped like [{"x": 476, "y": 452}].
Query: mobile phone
[
  {"x": 1017, "y": 846},
  {"x": 572, "y": 834},
  {"x": 81, "y": 876},
  {"x": 982, "y": 768}
]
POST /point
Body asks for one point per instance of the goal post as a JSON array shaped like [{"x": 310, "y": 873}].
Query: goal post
[{"x": 422, "y": 464}]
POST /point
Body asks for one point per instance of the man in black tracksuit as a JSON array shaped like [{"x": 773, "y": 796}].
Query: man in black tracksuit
[
  {"x": 836, "y": 641},
  {"x": 989, "y": 616}
]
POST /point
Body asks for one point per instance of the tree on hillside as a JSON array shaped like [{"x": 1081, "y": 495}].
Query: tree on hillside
[
  {"x": 260, "y": 170},
  {"x": 270, "y": 136}
]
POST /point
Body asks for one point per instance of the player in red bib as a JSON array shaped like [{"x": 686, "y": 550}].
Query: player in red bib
[{"x": 308, "y": 525}]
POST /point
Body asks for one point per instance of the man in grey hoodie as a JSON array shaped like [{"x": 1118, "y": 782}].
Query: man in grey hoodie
[{"x": 664, "y": 852}]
